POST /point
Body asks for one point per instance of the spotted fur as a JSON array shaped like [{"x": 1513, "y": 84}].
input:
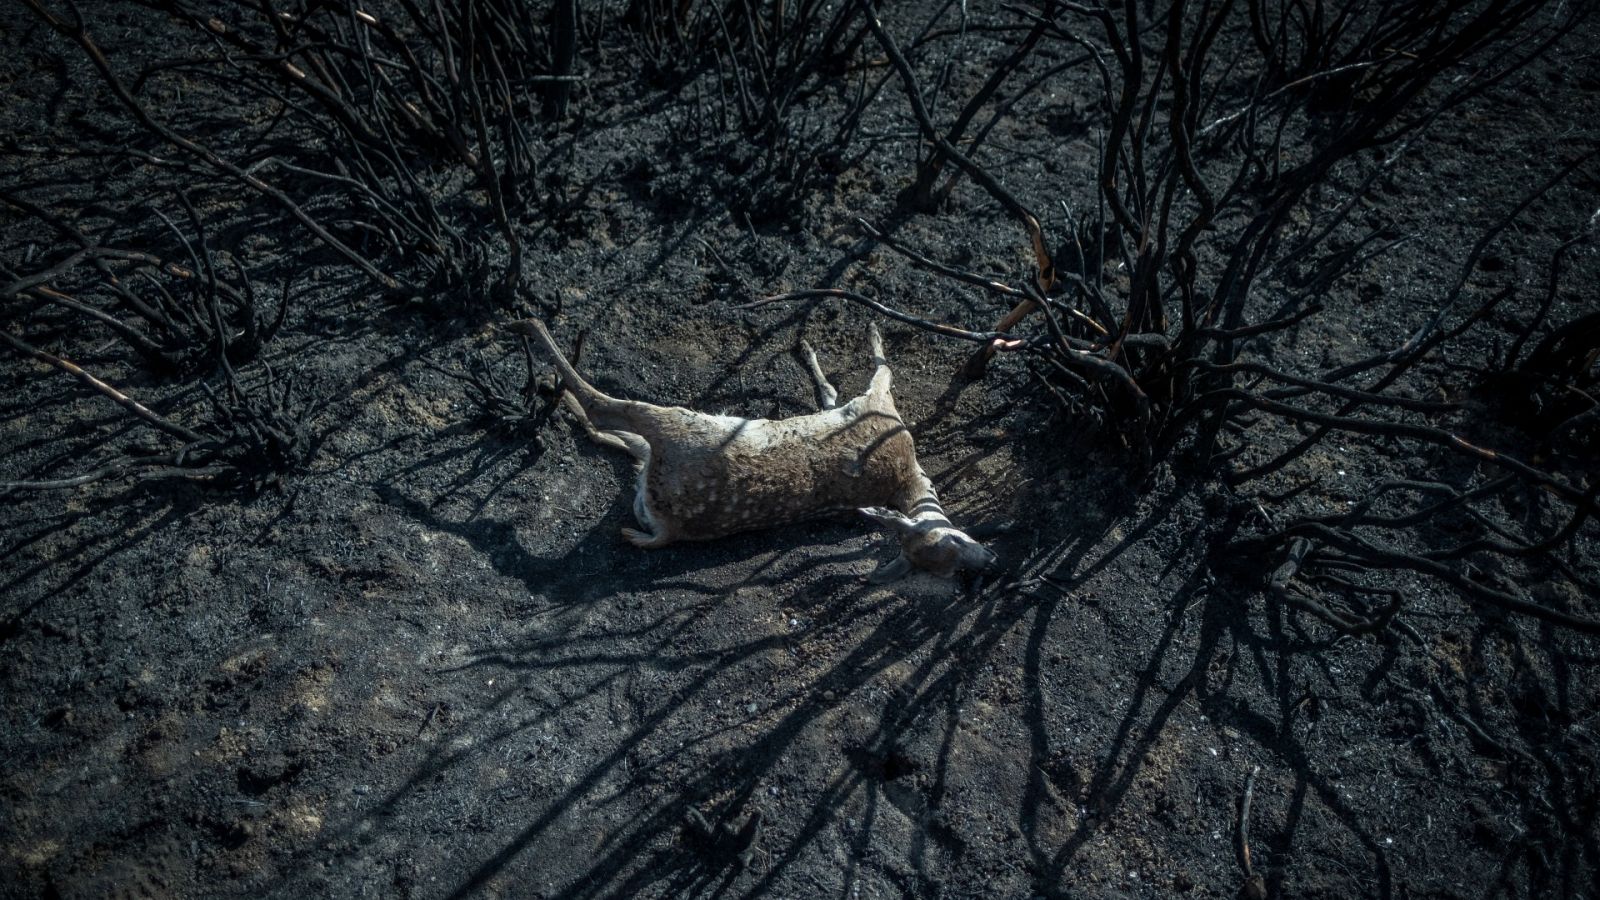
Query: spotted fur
[{"x": 703, "y": 476}]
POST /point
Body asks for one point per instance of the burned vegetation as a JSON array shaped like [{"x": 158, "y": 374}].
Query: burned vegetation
[{"x": 1259, "y": 339}]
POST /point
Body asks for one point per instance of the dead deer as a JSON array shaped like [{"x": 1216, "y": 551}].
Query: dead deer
[{"x": 703, "y": 476}]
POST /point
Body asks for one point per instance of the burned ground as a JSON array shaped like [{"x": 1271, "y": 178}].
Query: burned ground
[{"x": 379, "y": 635}]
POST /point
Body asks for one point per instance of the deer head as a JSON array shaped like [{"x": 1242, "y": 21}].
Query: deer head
[{"x": 930, "y": 543}]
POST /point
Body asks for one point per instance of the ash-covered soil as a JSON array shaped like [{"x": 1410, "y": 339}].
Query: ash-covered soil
[{"x": 427, "y": 664}]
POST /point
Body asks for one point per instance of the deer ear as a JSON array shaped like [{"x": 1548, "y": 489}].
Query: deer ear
[
  {"x": 892, "y": 570},
  {"x": 888, "y": 519}
]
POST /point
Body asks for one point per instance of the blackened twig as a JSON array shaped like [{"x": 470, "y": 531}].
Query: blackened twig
[
  {"x": 146, "y": 414},
  {"x": 1255, "y": 887},
  {"x": 1006, "y": 341}
]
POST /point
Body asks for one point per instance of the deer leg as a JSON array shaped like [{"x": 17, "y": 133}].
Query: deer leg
[
  {"x": 645, "y": 541},
  {"x": 652, "y": 531},
  {"x": 635, "y": 445},
  {"x": 626, "y": 441},
  {"x": 882, "y": 378},
  {"x": 827, "y": 397},
  {"x": 615, "y": 439},
  {"x": 576, "y": 408}
]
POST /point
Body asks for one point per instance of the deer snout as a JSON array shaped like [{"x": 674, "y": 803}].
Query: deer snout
[
  {"x": 969, "y": 555},
  {"x": 981, "y": 559},
  {"x": 946, "y": 552}
]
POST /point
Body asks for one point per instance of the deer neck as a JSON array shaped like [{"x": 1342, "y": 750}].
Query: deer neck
[{"x": 921, "y": 502}]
